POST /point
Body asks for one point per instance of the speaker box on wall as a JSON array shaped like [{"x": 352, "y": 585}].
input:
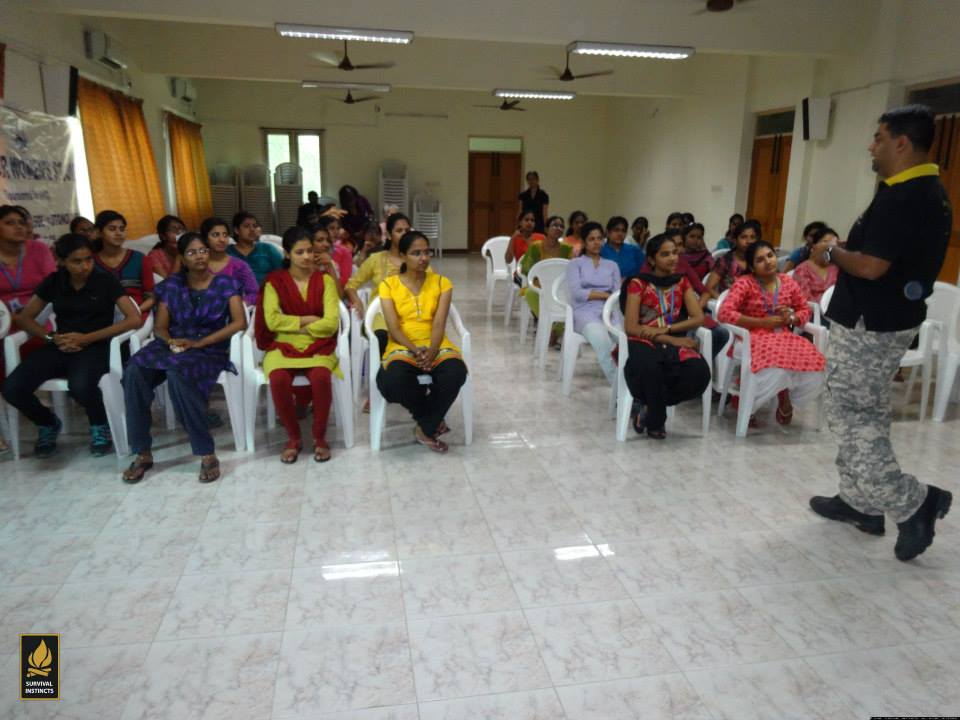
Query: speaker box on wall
[
  {"x": 59, "y": 89},
  {"x": 816, "y": 118}
]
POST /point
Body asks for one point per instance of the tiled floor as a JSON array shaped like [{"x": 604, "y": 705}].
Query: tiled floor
[{"x": 545, "y": 572}]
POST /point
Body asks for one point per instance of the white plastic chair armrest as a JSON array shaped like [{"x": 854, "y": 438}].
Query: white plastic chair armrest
[
  {"x": 116, "y": 365},
  {"x": 706, "y": 345},
  {"x": 11, "y": 349},
  {"x": 928, "y": 329},
  {"x": 819, "y": 333},
  {"x": 815, "y": 309}
]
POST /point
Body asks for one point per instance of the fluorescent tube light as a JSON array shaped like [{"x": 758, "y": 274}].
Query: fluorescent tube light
[
  {"x": 320, "y": 32},
  {"x": 534, "y": 94},
  {"x": 657, "y": 52},
  {"x": 333, "y": 85}
]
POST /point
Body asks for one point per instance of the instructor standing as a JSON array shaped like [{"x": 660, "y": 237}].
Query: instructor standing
[{"x": 893, "y": 255}]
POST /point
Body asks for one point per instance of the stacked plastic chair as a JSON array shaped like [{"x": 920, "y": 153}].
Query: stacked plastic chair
[
  {"x": 288, "y": 191},
  {"x": 255, "y": 195},
  {"x": 428, "y": 219},
  {"x": 224, "y": 191},
  {"x": 394, "y": 189}
]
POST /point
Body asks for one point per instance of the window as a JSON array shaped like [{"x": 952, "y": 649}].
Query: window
[{"x": 302, "y": 147}]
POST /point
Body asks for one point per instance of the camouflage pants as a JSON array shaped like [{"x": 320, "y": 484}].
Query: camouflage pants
[{"x": 860, "y": 370}]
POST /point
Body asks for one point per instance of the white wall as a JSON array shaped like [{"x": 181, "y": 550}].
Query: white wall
[
  {"x": 35, "y": 38},
  {"x": 563, "y": 142}
]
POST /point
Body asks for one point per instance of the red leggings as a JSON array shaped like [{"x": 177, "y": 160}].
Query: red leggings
[{"x": 283, "y": 392}]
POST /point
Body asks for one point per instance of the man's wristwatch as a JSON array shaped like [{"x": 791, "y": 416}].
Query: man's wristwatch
[{"x": 828, "y": 254}]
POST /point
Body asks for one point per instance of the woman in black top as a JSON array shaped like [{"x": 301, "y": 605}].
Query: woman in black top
[
  {"x": 535, "y": 200},
  {"x": 84, "y": 302}
]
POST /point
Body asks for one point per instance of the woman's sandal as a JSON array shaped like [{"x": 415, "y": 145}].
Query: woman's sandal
[
  {"x": 321, "y": 454},
  {"x": 209, "y": 471},
  {"x": 657, "y": 434},
  {"x": 138, "y": 468},
  {"x": 290, "y": 454},
  {"x": 438, "y": 446},
  {"x": 442, "y": 429},
  {"x": 638, "y": 425},
  {"x": 784, "y": 418}
]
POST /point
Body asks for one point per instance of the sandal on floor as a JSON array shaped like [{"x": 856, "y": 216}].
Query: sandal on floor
[
  {"x": 321, "y": 454},
  {"x": 657, "y": 434},
  {"x": 209, "y": 471},
  {"x": 784, "y": 418},
  {"x": 138, "y": 468},
  {"x": 443, "y": 429},
  {"x": 638, "y": 425},
  {"x": 366, "y": 407},
  {"x": 286, "y": 458},
  {"x": 438, "y": 446}
]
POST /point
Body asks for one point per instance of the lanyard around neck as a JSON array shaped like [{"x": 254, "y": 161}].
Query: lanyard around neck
[{"x": 14, "y": 281}]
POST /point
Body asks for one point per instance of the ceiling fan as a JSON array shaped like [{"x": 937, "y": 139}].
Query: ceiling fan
[
  {"x": 351, "y": 100},
  {"x": 567, "y": 76},
  {"x": 716, "y": 6},
  {"x": 343, "y": 63},
  {"x": 505, "y": 105}
]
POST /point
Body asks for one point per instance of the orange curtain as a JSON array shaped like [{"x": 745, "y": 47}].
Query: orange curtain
[
  {"x": 123, "y": 170},
  {"x": 189, "y": 171}
]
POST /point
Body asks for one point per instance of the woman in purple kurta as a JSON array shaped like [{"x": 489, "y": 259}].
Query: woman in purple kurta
[
  {"x": 591, "y": 279},
  {"x": 197, "y": 314}
]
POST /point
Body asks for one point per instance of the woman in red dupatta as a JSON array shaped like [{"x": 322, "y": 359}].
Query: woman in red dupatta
[{"x": 296, "y": 323}]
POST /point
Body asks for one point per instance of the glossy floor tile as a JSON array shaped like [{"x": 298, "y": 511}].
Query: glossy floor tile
[{"x": 545, "y": 572}]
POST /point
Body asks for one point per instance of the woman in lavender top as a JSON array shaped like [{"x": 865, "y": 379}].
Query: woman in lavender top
[
  {"x": 217, "y": 236},
  {"x": 197, "y": 314},
  {"x": 591, "y": 279}
]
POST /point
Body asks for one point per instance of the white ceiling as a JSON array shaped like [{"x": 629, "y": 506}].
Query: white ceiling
[{"x": 469, "y": 46}]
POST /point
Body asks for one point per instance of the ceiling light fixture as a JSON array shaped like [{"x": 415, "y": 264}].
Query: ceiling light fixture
[
  {"x": 333, "y": 85},
  {"x": 657, "y": 52},
  {"x": 320, "y": 32},
  {"x": 534, "y": 94}
]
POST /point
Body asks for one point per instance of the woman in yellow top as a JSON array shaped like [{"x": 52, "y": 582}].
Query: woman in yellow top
[
  {"x": 296, "y": 323},
  {"x": 377, "y": 268},
  {"x": 415, "y": 306}
]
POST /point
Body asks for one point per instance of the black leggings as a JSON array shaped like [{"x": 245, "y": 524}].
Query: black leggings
[
  {"x": 382, "y": 337},
  {"x": 657, "y": 378},
  {"x": 82, "y": 370},
  {"x": 427, "y": 403}
]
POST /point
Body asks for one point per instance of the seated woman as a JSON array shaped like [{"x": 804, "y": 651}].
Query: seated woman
[
  {"x": 664, "y": 368},
  {"x": 217, "y": 239},
  {"x": 372, "y": 242},
  {"x": 415, "y": 305},
  {"x": 164, "y": 256},
  {"x": 358, "y": 213},
  {"x": 523, "y": 237},
  {"x": 82, "y": 226},
  {"x": 639, "y": 232},
  {"x": 734, "y": 263},
  {"x": 377, "y": 268},
  {"x": 323, "y": 255},
  {"x": 695, "y": 252},
  {"x": 24, "y": 262},
  {"x": 296, "y": 324},
  {"x": 262, "y": 257},
  {"x": 132, "y": 269},
  {"x": 726, "y": 242},
  {"x": 591, "y": 279},
  {"x": 802, "y": 253},
  {"x": 84, "y": 302},
  {"x": 545, "y": 249},
  {"x": 770, "y": 305},
  {"x": 197, "y": 314},
  {"x": 342, "y": 252},
  {"x": 574, "y": 236},
  {"x": 813, "y": 275}
]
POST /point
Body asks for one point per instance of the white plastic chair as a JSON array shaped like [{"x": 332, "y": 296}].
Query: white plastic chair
[
  {"x": 110, "y": 388},
  {"x": 497, "y": 268},
  {"x": 274, "y": 240},
  {"x": 378, "y": 404},
  {"x": 571, "y": 340},
  {"x": 747, "y": 389},
  {"x": 717, "y": 254},
  {"x": 513, "y": 293},
  {"x": 623, "y": 394},
  {"x": 143, "y": 244},
  {"x": 6, "y": 323},
  {"x": 254, "y": 379},
  {"x": 944, "y": 306},
  {"x": 546, "y": 271},
  {"x": 359, "y": 345}
]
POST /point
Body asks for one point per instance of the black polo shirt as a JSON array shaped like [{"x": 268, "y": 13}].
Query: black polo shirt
[
  {"x": 534, "y": 203},
  {"x": 908, "y": 223},
  {"x": 85, "y": 310}
]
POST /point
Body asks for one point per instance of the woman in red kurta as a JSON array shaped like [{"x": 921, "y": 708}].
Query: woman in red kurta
[{"x": 769, "y": 305}]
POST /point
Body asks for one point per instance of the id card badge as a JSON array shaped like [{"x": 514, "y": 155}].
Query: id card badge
[{"x": 15, "y": 306}]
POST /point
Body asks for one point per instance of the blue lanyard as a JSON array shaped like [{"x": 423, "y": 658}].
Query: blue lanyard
[
  {"x": 14, "y": 282},
  {"x": 663, "y": 307},
  {"x": 770, "y": 309}
]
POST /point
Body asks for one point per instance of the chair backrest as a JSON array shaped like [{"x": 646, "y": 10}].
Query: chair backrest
[
  {"x": 560, "y": 292},
  {"x": 143, "y": 244},
  {"x": 719, "y": 253},
  {"x": 287, "y": 173},
  {"x": 493, "y": 251},
  {"x": 6, "y": 320},
  {"x": 255, "y": 176},
  {"x": 944, "y": 306},
  {"x": 826, "y": 297},
  {"x": 272, "y": 239},
  {"x": 546, "y": 271},
  {"x": 223, "y": 174},
  {"x": 716, "y": 312}
]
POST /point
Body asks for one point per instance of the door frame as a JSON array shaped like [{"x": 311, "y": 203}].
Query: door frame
[{"x": 521, "y": 153}]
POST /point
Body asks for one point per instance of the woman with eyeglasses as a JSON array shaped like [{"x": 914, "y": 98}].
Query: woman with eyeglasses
[
  {"x": 197, "y": 313},
  {"x": 550, "y": 247},
  {"x": 415, "y": 305}
]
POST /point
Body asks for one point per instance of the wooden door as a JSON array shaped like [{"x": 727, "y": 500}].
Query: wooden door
[
  {"x": 946, "y": 153},
  {"x": 493, "y": 188},
  {"x": 768, "y": 184}
]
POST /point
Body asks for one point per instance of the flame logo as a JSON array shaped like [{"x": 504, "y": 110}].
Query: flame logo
[{"x": 40, "y": 661}]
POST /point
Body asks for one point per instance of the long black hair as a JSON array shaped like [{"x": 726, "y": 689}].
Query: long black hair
[
  {"x": 406, "y": 241},
  {"x": 573, "y": 216},
  {"x": 70, "y": 243},
  {"x": 104, "y": 218},
  {"x": 391, "y": 222},
  {"x": 746, "y": 225},
  {"x": 291, "y": 237},
  {"x": 163, "y": 224}
]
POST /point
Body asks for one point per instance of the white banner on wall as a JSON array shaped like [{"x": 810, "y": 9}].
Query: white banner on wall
[{"x": 37, "y": 169}]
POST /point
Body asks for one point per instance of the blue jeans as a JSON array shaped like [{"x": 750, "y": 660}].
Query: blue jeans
[{"x": 190, "y": 407}]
